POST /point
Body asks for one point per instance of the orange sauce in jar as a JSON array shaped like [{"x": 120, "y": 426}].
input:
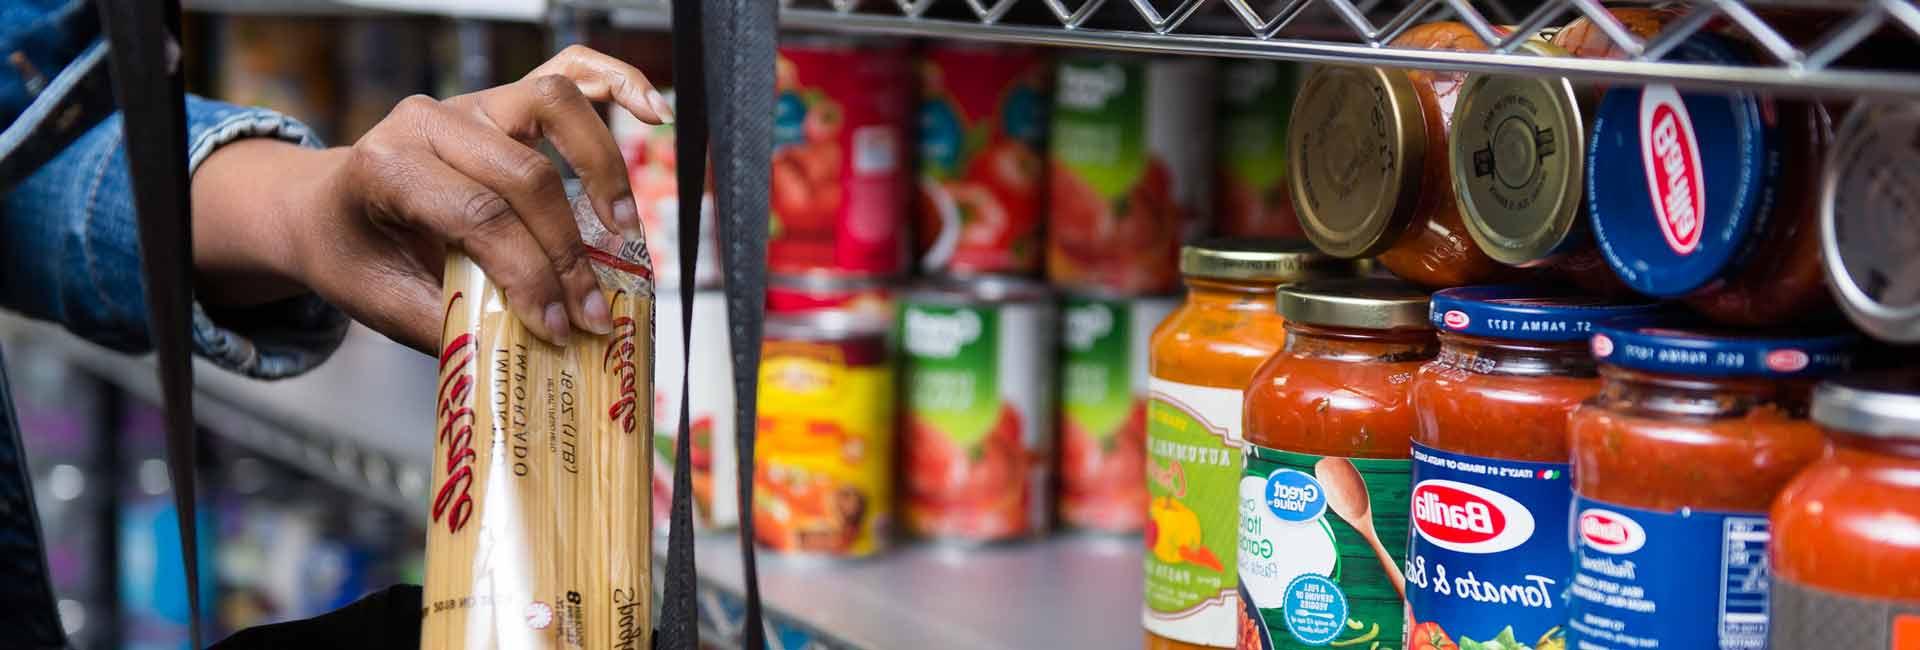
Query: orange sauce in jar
[
  {"x": 1846, "y": 532},
  {"x": 1675, "y": 463},
  {"x": 1323, "y": 497},
  {"x": 1199, "y": 361}
]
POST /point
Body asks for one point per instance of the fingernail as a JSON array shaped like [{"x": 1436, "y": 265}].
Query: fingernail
[
  {"x": 627, "y": 217},
  {"x": 557, "y": 323},
  {"x": 599, "y": 320},
  {"x": 661, "y": 106}
]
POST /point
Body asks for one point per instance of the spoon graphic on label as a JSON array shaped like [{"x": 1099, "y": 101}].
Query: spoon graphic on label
[{"x": 1347, "y": 497}]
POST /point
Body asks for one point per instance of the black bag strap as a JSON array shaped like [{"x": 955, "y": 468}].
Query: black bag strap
[
  {"x": 145, "y": 54},
  {"x": 723, "y": 52}
]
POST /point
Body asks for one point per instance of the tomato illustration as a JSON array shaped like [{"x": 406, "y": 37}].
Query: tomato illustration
[
  {"x": 1131, "y": 248},
  {"x": 983, "y": 219},
  {"x": 1103, "y": 483},
  {"x": 824, "y": 119},
  {"x": 1429, "y": 636},
  {"x": 978, "y": 492},
  {"x": 1011, "y": 170}
]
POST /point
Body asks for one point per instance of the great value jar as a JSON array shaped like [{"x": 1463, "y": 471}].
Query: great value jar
[
  {"x": 1675, "y": 464},
  {"x": 1198, "y": 363},
  {"x": 1846, "y": 547},
  {"x": 1488, "y": 558},
  {"x": 1323, "y": 497}
]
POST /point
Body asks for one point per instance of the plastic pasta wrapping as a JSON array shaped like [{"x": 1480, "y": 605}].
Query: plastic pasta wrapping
[{"x": 540, "y": 506}]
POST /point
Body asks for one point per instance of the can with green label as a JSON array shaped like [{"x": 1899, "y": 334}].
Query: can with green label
[
  {"x": 977, "y": 373},
  {"x": 1103, "y": 408}
]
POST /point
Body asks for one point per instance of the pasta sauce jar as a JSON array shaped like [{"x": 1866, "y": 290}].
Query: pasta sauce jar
[
  {"x": 1198, "y": 363},
  {"x": 1675, "y": 464},
  {"x": 1488, "y": 558},
  {"x": 1368, "y": 169},
  {"x": 1846, "y": 559},
  {"x": 1324, "y": 493}
]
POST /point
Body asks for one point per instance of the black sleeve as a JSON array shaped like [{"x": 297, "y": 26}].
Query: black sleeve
[{"x": 384, "y": 620}]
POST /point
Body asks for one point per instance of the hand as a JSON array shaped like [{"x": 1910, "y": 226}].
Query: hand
[{"x": 367, "y": 226}]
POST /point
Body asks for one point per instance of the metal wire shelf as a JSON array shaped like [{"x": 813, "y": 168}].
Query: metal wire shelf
[{"x": 1809, "y": 47}]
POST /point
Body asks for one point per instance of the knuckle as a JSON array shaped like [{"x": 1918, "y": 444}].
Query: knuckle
[
  {"x": 535, "y": 175},
  {"x": 572, "y": 258},
  {"x": 416, "y": 105},
  {"x": 575, "y": 51},
  {"x": 555, "y": 90},
  {"x": 487, "y": 215}
]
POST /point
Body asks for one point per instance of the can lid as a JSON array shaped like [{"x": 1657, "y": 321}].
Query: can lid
[
  {"x": 1880, "y": 404},
  {"x": 1527, "y": 313},
  {"x": 1359, "y": 303},
  {"x": 822, "y": 325},
  {"x": 976, "y": 289},
  {"x": 1678, "y": 179},
  {"x": 1870, "y": 219},
  {"x": 1637, "y": 345},
  {"x": 1260, "y": 260},
  {"x": 1356, "y": 149},
  {"x": 1519, "y": 155}
]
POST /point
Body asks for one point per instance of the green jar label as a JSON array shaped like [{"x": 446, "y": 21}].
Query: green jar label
[
  {"x": 1322, "y": 543},
  {"x": 1193, "y": 466}
]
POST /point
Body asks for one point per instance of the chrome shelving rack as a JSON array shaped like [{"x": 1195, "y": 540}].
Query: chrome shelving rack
[{"x": 1358, "y": 31}]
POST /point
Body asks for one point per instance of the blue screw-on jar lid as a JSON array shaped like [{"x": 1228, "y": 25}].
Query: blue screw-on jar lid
[
  {"x": 1679, "y": 180},
  {"x": 1721, "y": 353},
  {"x": 1526, "y": 313}
]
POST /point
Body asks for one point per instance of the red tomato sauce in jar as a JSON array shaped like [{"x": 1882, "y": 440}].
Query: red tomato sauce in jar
[
  {"x": 1675, "y": 463},
  {"x": 1490, "y": 482},
  {"x": 1323, "y": 497},
  {"x": 1846, "y": 532}
]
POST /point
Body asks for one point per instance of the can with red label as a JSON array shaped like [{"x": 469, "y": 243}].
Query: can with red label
[
  {"x": 870, "y": 299},
  {"x": 1129, "y": 171},
  {"x": 983, "y": 119},
  {"x": 840, "y": 178}
]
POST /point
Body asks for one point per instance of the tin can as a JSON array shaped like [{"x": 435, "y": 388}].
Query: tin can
[
  {"x": 983, "y": 120},
  {"x": 867, "y": 298},
  {"x": 823, "y": 461},
  {"x": 1130, "y": 169},
  {"x": 977, "y": 373},
  {"x": 715, "y": 461},
  {"x": 1103, "y": 408},
  {"x": 1869, "y": 206},
  {"x": 1256, "y": 101},
  {"x": 652, "y": 172},
  {"x": 840, "y": 178}
]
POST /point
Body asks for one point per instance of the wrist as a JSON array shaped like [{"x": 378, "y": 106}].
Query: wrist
[{"x": 257, "y": 204}]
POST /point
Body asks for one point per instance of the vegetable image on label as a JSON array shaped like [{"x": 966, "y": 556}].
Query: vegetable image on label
[
  {"x": 1681, "y": 580},
  {"x": 1312, "y": 563},
  {"x": 1193, "y": 465}
]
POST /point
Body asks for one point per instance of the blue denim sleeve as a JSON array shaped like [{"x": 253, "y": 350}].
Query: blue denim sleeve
[{"x": 69, "y": 252}]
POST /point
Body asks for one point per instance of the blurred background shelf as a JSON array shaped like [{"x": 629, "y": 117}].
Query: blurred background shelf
[{"x": 515, "y": 10}]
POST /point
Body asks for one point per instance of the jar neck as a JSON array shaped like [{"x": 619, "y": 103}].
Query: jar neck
[
  {"x": 1358, "y": 345},
  {"x": 1524, "y": 358},
  {"x": 1230, "y": 294},
  {"x": 1907, "y": 448},
  {"x": 1712, "y": 397}
]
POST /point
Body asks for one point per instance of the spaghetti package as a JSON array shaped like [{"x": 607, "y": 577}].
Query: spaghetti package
[{"x": 539, "y": 521}]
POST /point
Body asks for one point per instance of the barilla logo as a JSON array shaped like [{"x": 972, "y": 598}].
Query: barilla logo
[
  {"x": 454, "y": 499},
  {"x": 1671, "y": 157},
  {"x": 1468, "y": 518},
  {"x": 618, "y": 360},
  {"x": 1787, "y": 360},
  {"x": 1610, "y": 532},
  {"x": 1455, "y": 319},
  {"x": 1602, "y": 346}
]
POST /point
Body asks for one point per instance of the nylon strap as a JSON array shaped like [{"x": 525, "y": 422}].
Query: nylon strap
[
  {"x": 679, "y": 611},
  {"x": 145, "y": 55}
]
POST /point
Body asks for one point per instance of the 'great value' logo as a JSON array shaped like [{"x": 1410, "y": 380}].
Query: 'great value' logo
[
  {"x": 1295, "y": 496},
  {"x": 1468, "y": 518}
]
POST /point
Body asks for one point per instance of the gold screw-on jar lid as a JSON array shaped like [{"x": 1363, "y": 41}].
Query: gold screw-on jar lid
[
  {"x": 1359, "y": 303},
  {"x": 1518, "y": 151},
  {"x": 1356, "y": 148},
  {"x": 1261, "y": 260}
]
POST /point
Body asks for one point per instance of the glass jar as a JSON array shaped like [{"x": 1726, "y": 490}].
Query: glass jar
[
  {"x": 1490, "y": 483},
  {"x": 1198, "y": 362},
  {"x": 1367, "y": 150},
  {"x": 1710, "y": 197},
  {"x": 1846, "y": 547},
  {"x": 1324, "y": 494},
  {"x": 1675, "y": 464},
  {"x": 1869, "y": 200}
]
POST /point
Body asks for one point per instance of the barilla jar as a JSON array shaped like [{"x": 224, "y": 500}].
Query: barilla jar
[
  {"x": 1675, "y": 464},
  {"x": 1846, "y": 557},
  {"x": 1368, "y": 169},
  {"x": 1708, "y": 197},
  {"x": 1323, "y": 498},
  {"x": 1198, "y": 364},
  {"x": 1490, "y": 484}
]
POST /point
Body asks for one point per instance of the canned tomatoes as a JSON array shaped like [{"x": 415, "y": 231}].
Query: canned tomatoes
[
  {"x": 1256, "y": 99},
  {"x": 978, "y": 374},
  {"x": 839, "y": 157},
  {"x": 1130, "y": 168},
  {"x": 715, "y": 462},
  {"x": 823, "y": 466},
  {"x": 982, "y": 124},
  {"x": 1103, "y": 409},
  {"x": 868, "y": 298}
]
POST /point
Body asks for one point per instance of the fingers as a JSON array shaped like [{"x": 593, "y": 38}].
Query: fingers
[
  {"x": 606, "y": 79},
  {"x": 551, "y": 106}
]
